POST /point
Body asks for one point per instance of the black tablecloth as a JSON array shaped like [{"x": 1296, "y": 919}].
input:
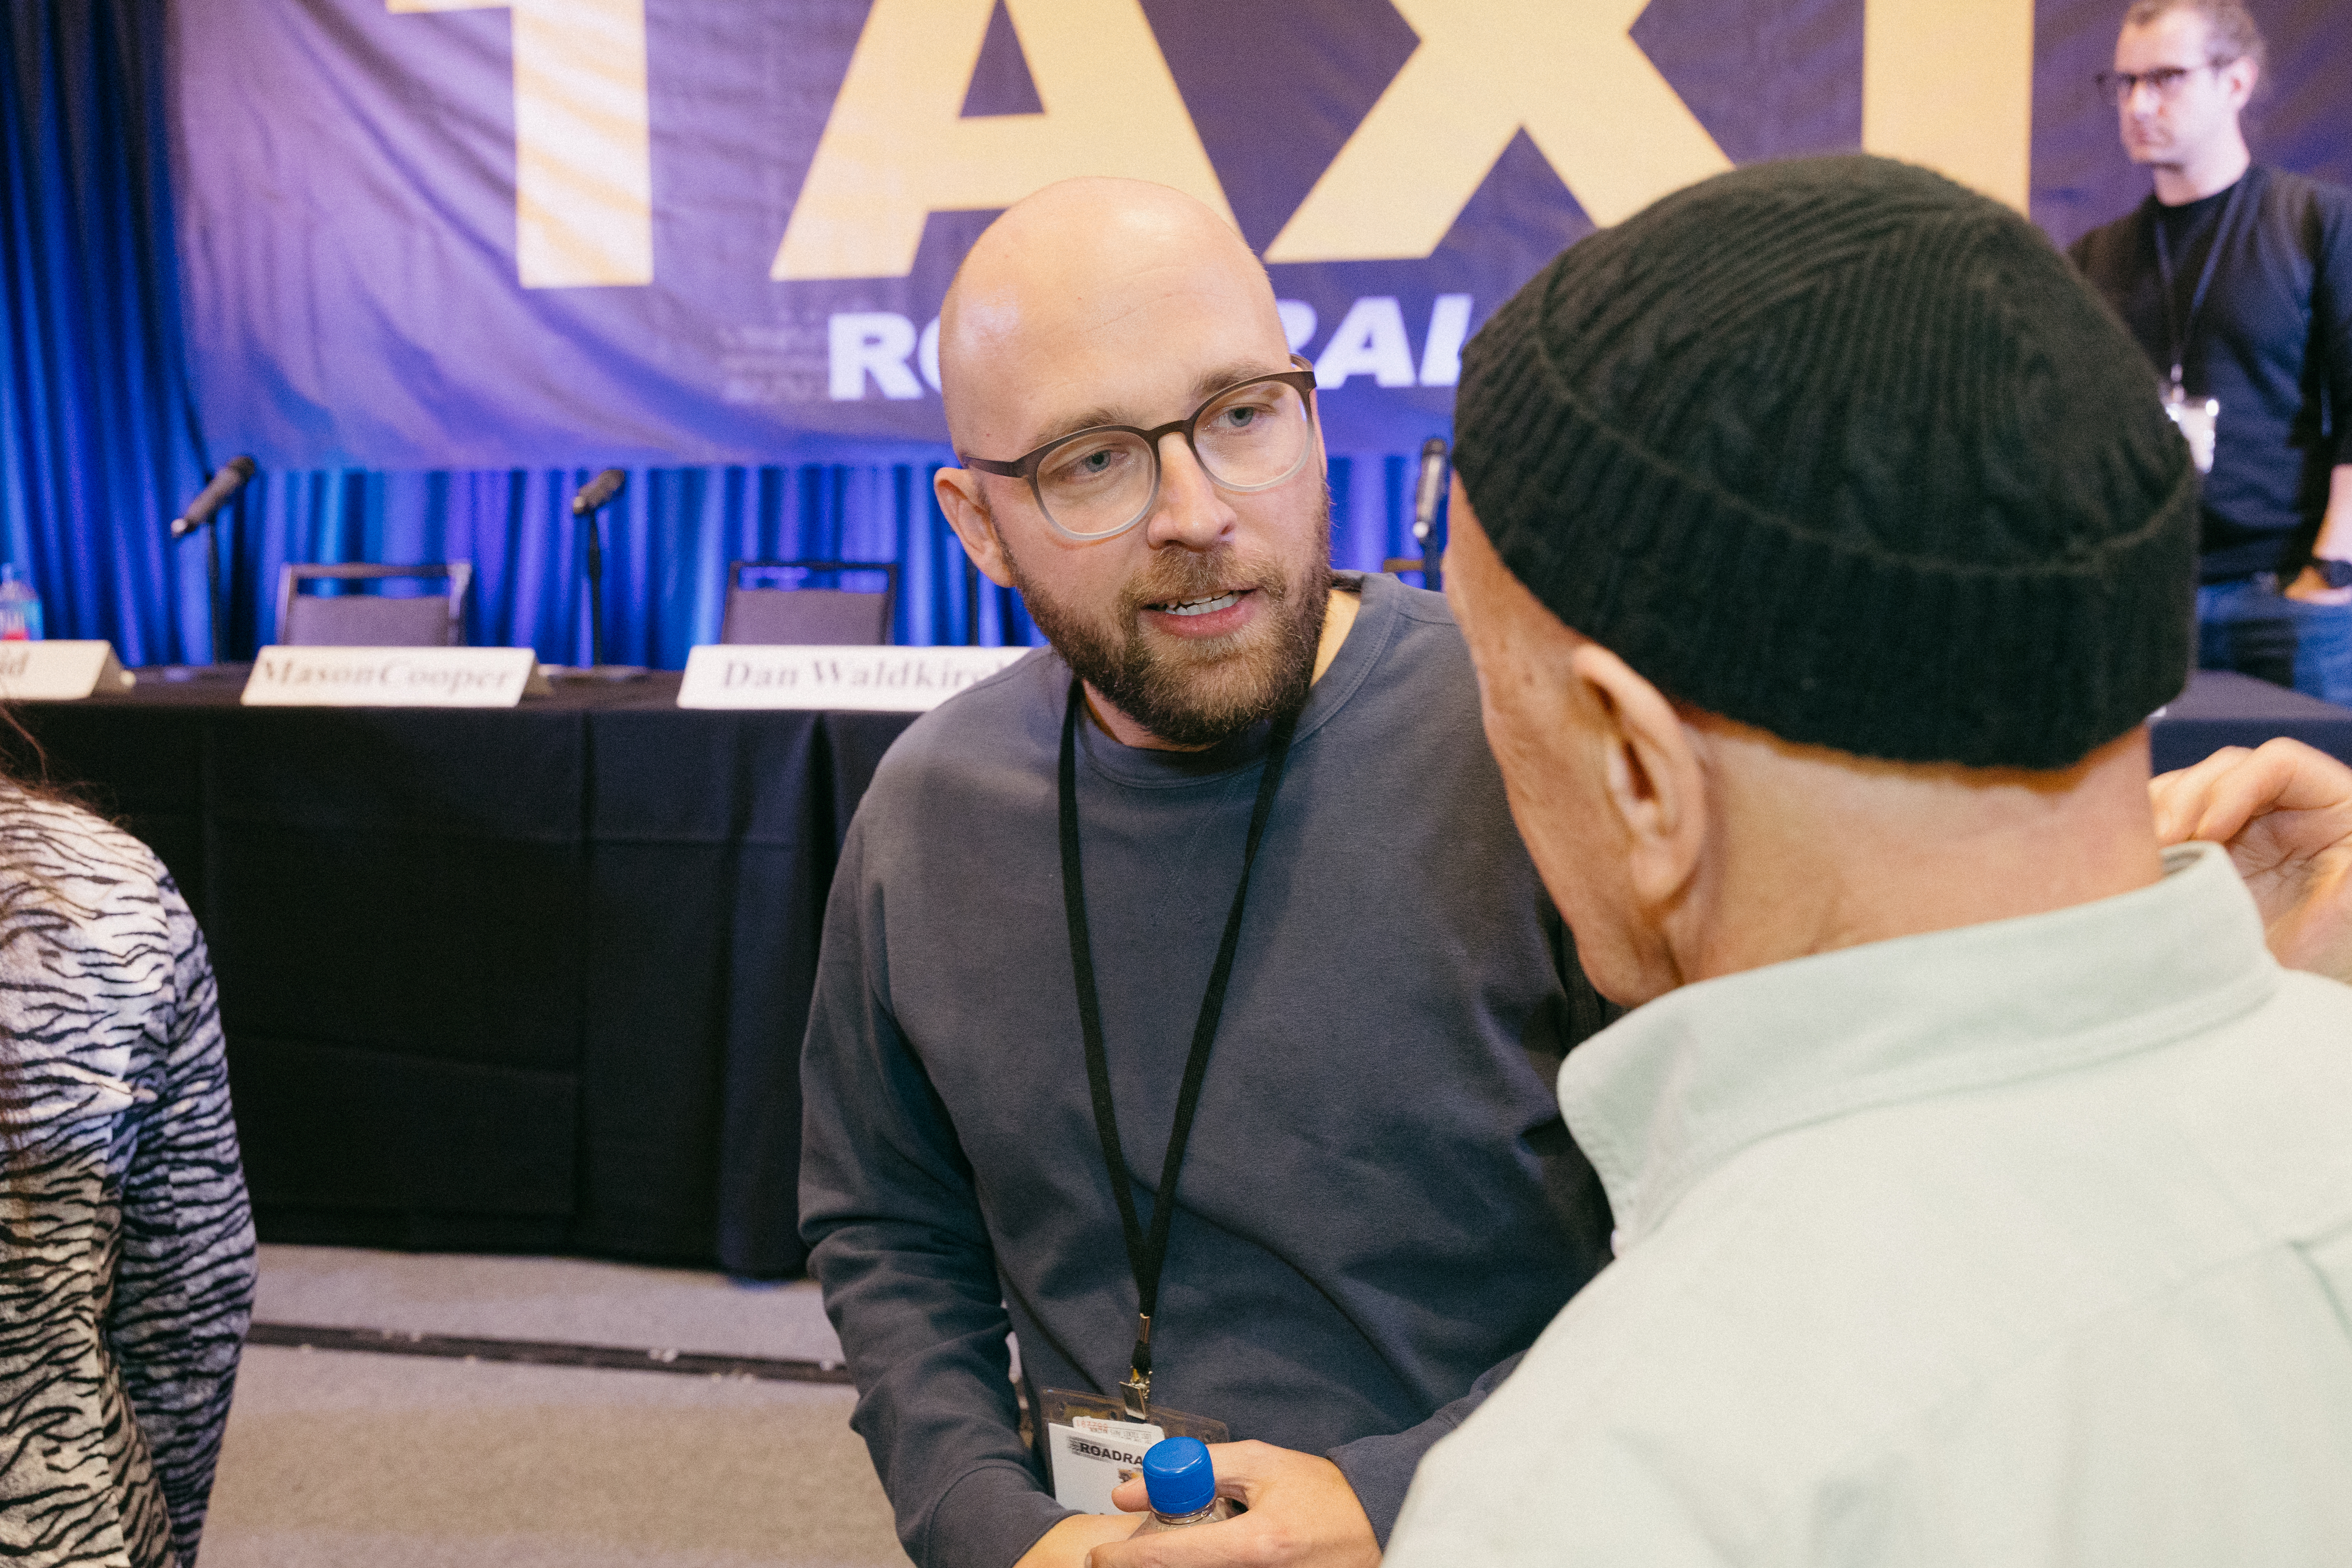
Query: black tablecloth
[
  {"x": 531, "y": 979},
  {"x": 537, "y": 979},
  {"x": 2219, "y": 709}
]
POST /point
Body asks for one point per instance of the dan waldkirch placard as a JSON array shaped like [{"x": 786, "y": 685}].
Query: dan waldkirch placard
[{"x": 877, "y": 679}]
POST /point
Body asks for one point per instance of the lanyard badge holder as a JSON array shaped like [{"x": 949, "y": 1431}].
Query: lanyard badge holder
[
  {"x": 1093, "y": 1445},
  {"x": 2199, "y": 418},
  {"x": 1094, "y": 1441}
]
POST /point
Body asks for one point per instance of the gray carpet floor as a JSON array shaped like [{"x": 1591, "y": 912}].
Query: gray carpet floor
[
  {"x": 365, "y": 1460},
  {"x": 567, "y": 1299}
]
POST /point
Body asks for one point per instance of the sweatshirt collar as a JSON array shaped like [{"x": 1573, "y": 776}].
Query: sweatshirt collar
[{"x": 1679, "y": 1086}]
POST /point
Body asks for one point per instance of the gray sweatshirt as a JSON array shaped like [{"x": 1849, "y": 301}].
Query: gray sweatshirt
[{"x": 1379, "y": 1204}]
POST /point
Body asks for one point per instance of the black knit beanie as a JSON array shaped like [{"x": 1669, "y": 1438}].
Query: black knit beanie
[{"x": 1838, "y": 449}]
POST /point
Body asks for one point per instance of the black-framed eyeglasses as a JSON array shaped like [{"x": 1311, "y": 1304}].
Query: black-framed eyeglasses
[
  {"x": 2117, "y": 87},
  {"x": 1098, "y": 482}
]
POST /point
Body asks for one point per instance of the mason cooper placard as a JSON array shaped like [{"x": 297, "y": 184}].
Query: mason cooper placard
[
  {"x": 877, "y": 679},
  {"x": 392, "y": 678}
]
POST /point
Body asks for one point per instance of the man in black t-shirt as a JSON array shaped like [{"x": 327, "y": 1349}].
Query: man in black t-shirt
[{"x": 2237, "y": 280}]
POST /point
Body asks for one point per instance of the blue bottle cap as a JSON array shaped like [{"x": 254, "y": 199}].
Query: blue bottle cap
[{"x": 1176, "y": 1473}]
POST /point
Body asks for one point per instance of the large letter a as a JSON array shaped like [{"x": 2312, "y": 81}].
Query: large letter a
[{"x": 897, "y": 149}]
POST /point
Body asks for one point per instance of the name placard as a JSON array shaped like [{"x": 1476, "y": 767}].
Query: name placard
[
  {"x": 60, "y": 671},
  {"x": 877, "y": 679},
  {"x": 392, "y": 677}
]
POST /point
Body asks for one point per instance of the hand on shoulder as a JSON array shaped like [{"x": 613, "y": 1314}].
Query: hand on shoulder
[{"x": 2284, "y": 812}]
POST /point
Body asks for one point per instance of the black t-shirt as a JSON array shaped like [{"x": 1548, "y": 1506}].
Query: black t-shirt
[{"x": 2272, "y": 342}]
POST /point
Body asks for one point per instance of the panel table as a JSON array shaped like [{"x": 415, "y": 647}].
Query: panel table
[
  {"x": 531, "y": 979},
  {"x": 535, "y": 979},
  {"x": 2224, "y": 709}
]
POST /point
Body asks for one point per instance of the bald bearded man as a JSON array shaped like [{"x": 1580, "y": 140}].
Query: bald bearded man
[{"x": 1227, "y": 871}]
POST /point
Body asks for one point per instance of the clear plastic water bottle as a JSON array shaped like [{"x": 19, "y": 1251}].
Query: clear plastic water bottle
[
  {"x": 20, "y": 607},
  {"x": 1183, "y": 1487}
]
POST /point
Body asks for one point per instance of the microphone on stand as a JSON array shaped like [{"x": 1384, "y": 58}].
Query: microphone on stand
[
  {"x": 231, "y": 478},
  {"x": 1426, "y": 492},
  {"x": 592, "y": 498},
  {"x": 597, "y": 491},
  {"x": 1432, "y": 486}
]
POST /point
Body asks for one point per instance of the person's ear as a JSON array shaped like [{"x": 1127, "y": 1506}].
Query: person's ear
[
  {"x": 967, "y": 513},
  {"x": 2240, "y": 77},
  {"x": 1652, "y": 777}
]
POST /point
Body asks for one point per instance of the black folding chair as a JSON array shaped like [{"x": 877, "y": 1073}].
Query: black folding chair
[
  {"x": 804, "y": 612},
  {"x": 364, "y": 619}
]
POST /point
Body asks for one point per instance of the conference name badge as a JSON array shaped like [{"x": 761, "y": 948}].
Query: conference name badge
[
  {"x": 2200, "y": 419},
  {"x": 62, "y": 672},
  {"x": 870, "y": 679},
  {"x": 1093, "y": 1447},
  {"x": 392, "y": 678}
]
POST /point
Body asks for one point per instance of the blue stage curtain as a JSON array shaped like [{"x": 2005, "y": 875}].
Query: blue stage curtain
[
  {"x": 667, "y": 540},
  {"x": 96, "y": 445},
  {"x": 99, "y": 447}
]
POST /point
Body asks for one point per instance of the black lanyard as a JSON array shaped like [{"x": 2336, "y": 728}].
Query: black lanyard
[
  {"x": 1146, "y": 1255},
  {"x": 2176, "y": 329}
]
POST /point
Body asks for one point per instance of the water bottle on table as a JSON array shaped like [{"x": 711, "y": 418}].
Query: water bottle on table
[
  {"x": 1183, "y": 1487},
  {"x": 20, "y": 609}
]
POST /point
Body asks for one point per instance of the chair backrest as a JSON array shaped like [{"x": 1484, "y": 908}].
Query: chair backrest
[
  {"x": 806, "y": 615},
  {"x": 372, "y": 620}
]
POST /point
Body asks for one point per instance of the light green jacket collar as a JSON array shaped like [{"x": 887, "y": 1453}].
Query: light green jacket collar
[{"x": 1680, "y": 1085}]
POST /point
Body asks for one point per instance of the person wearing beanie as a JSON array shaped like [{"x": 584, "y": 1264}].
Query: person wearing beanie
[{"x": 1981, "y": 1182}]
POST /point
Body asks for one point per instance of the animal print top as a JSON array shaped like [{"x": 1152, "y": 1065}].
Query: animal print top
[{"x": 126, "y": 1279}]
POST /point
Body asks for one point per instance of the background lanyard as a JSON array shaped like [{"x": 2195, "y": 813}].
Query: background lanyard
[
  {"x": 1146, "y": 1255},
  {"x": 2177, "y": 329}
]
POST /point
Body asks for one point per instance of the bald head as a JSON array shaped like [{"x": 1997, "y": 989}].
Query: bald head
[
  {"x": 1078, "y": 287},
  {"x": 1114, "y": 303}
]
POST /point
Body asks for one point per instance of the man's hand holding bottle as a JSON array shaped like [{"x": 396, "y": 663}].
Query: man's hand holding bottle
[{"x": 1301, "y": 1514}]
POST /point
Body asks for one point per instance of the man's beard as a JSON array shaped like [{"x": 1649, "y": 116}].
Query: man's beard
[{"x": 1196, "y": 693}]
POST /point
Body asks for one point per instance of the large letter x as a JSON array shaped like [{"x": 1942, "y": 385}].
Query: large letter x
[{"x": 1563, "y": 70}]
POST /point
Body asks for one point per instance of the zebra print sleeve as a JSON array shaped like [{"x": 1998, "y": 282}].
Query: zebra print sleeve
[
  {"x": 128, "y": 1267},
  {"x": 183, "y": 1292}
]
